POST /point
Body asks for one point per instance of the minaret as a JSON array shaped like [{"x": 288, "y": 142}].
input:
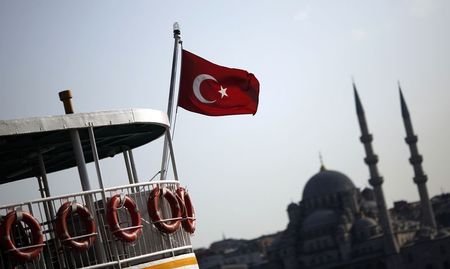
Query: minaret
[
  {"x": 416, "y": 161},
  {"x": 375, "y": 180}
]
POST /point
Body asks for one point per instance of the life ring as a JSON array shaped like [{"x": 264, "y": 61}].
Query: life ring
[
  {"x": 62, "y": 230},
  {"x": 129, "y": 234},
  {"x": 37, "y": 238},
  {"x": 165, "y": 226},
  {"x": 188, "y": 214}
]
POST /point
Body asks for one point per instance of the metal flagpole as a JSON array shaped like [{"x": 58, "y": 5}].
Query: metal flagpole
[{"x": 176, "y": 36}]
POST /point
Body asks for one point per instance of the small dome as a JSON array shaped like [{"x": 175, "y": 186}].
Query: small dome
[
  {"x": 364, "y": 223},
  {"x": 368, "y": 194},
  {"x": 326, "y": 182},
  {"x": 292, "y": 206},
  {"x": 364, "y": 228},
  {"x": 318, "y": 218}
]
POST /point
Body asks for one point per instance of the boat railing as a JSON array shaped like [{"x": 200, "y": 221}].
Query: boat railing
[{"x": 107, "y": 251}]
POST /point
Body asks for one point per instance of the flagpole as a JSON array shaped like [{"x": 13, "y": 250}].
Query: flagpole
[{"x": 177, "y": 38}]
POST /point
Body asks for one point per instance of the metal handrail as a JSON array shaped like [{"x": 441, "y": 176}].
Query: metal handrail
[
  {"x": 25, "y": 247},
  {"x": 59, "y": 197},
  {"x": 159, "y": 182},
  {"x": 79, "y": 237},
  {"x": 127, "y": 228},
  {"x": 167, "y": 220}
]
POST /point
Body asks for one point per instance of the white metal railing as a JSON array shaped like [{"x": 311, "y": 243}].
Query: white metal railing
[{"x": 107, "y": 251}]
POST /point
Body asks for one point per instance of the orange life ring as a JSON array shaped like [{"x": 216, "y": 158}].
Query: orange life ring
[
  {"x": 165, "y": 226},
  {"x": 62, "y": 230},
  {"x": 37, "y": 238},
  {"x": 188, "y": 215},
  {"x": 114, "y": 204}
]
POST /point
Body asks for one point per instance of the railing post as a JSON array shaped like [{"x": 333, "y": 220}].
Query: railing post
[
  {"x": 128, "y": 166},
  {"x": 133, "y": 169},
  {"x": 99, "y": 221},
  {"x": 65, "y": 97},
  {"x": 48, "y": 207}
]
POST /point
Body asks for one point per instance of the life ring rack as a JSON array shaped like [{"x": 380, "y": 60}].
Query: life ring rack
[
  {"x": 129, "y": 234},
  {"x": 78, "y": 243},
  {"x": 26, "y": 253},
  {"x": 170, "y": 225}
]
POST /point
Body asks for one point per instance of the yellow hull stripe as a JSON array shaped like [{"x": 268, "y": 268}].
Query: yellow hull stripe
[{"x": 174, "y": 264}]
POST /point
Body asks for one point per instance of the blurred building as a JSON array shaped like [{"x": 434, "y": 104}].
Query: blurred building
[{"x": 236, "y": 254}]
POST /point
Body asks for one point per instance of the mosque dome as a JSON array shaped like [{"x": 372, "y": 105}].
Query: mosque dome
[
  {"x": 364, "y": 228},
  {"x": 326, "y": 182},
  {"x": 319, "y": 218}
]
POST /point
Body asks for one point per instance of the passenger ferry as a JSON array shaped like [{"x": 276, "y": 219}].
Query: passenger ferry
[{"x": 138, "y": 225}]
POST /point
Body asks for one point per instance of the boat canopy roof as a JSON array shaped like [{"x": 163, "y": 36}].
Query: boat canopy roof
[{"x": 115, "y": 131}]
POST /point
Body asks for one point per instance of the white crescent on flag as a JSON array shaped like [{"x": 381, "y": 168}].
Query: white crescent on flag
[{"x": 196, "y": 87}]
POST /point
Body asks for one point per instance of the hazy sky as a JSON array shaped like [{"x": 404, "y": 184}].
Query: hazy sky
[{"x": 242, "y": 171}]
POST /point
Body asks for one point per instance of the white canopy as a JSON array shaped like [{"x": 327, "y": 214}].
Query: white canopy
[{"x": 115, "y": 131}]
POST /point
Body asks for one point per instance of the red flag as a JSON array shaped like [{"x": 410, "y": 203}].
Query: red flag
[{"x": 215, "y": 90}]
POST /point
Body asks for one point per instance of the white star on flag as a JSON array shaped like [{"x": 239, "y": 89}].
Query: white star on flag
[{"x": 223, "y": 91}]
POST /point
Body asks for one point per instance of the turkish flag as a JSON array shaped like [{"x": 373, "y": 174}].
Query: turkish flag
[{"x": 215, "y": 90}]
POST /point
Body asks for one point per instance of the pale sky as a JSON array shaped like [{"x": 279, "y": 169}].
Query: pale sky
[{"x": 242, "y": 171}]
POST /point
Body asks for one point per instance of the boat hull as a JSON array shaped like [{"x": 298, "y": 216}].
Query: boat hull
[{"x": 185, "y": 261}]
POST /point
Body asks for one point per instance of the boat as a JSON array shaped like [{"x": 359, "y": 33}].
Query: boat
[{"x": 144, "y": 224}]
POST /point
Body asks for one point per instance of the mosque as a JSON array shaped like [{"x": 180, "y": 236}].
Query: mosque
[{"x": 336, "y": 225}]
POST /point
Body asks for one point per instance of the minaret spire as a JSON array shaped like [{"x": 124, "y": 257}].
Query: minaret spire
[
  {"x": 416, "y": 159},
  {"x": 405, "y": 111},
  {"x": 375, "y": 180}
]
